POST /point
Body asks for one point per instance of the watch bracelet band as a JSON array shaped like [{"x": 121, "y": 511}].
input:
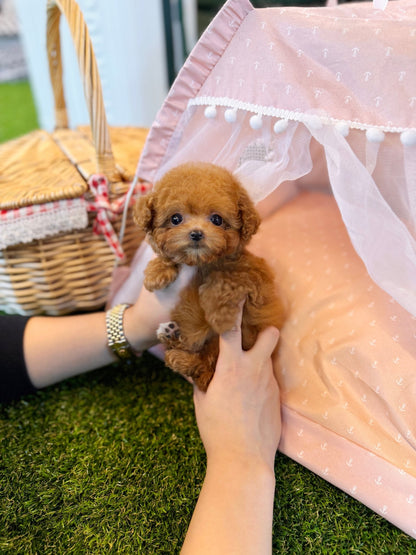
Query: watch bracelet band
[{"x": 116, "y": 339}]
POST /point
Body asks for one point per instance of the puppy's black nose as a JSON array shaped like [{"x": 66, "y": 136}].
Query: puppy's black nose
[{"x": 196, "y": 235}]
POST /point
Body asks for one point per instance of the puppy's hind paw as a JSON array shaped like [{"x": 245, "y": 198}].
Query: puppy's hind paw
[{"x": 168, "y": 333}]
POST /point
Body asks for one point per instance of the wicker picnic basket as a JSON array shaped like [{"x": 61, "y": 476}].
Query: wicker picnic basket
[{"x": 44, "y": 175}]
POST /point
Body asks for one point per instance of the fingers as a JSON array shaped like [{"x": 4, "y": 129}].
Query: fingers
[
  {"x": 266, "y": 342},
  {"x": 168, "y": 297},
  {"x": 231, "y": 340},
  {"x": 230, "y": 347},
  {"x": 186, "y": 273}
]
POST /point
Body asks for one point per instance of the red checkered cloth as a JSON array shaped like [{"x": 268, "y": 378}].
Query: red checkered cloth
[
  {"x": 107, "y": 211},
  {"x": 30, "y": 223}
]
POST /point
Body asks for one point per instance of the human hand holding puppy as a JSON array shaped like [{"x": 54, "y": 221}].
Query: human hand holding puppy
[
  {"x": 199, "y": 215},
  {"x": 239, "y": 416},
  {"x": 239, "y": 422}
]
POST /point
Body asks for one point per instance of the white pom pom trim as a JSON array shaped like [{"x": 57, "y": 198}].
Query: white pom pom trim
[
  {"x": 408, "y": 138},
  {"x": 343, "y": 128},
  {"x": 375, "y": 135},
  {"x": 280, "y": 126},
  {"x": 314, "y": 122},
  {"x": 230, "y": 115},
  {"x": 256, "y": 122},
  {"x": 210, "y": 112}
]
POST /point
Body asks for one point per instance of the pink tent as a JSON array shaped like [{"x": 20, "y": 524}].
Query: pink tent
[{"x": 314, "y": 109}]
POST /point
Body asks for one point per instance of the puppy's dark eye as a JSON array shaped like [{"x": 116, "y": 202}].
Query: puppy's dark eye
[
  {"x": 216, "y": 219},
  {"x": 176, "y": 219}
]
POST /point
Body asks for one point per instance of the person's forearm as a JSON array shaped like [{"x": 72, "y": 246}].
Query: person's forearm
[
  {"x": 234, "y": 512},
  {"x": 61, "y": 347},
  {"x": 56, "y": 348}
]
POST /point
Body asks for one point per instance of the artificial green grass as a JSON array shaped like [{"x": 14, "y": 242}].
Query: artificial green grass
[
  {"x": 112, "y": 462},
  {"x": 17, "y": 110}
]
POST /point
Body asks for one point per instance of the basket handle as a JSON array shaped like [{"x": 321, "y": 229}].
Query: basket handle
[{"x": 91, "y": 80}]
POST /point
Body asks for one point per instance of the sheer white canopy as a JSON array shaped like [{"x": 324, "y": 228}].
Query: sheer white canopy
[{"x": 261, "y": 84}]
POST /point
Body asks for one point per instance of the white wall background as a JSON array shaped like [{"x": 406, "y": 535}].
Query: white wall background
[{"x": 128, "y": 40}]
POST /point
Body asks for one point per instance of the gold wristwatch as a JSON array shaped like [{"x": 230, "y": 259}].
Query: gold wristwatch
[{"x": 117, "y": 341}]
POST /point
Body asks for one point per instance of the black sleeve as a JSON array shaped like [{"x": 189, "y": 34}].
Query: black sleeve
[{"x": 14, "y": 379}]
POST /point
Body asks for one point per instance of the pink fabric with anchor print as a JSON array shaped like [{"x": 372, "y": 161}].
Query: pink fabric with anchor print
[
  {"x": 346, "y": 364},
  {"x": 295, "y": 100}
]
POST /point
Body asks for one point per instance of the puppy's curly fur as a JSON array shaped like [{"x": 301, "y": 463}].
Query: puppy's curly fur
[{"x": 199, "y": 215}]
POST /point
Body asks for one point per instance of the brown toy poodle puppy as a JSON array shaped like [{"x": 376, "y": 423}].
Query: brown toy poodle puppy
[{"x": 199, "y": 215}]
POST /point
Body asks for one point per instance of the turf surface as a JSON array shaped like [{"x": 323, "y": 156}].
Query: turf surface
[{"x": 111, "y": 462}]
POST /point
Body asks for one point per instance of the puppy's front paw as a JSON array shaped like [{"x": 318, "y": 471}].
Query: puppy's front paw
[
  {"x": 168, "y": 333},
  {"x": 159, "y": 274}
]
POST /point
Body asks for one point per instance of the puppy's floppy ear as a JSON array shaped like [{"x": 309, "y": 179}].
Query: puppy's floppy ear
[
  {"x": 143, "y": 212},
  {"x": 250, "y": 219}
]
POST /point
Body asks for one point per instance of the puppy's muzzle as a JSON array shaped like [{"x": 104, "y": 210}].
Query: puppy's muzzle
[{"x": 196, "y": 235}]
